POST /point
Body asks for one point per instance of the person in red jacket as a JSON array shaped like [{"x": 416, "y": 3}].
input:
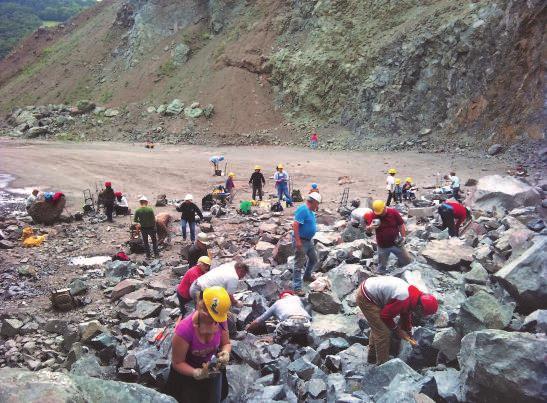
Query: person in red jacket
[
  {"x": 382, "y": 299},
  {"x": 453, "y": 214},
  {"x": 183, "y": 289}
]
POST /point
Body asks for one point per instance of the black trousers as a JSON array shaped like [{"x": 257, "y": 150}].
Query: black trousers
[
  {"x": 149, "y": 232},
  {"x": 390, "y": 197},
  {"x": 182, "y": 303},
  {"x": 121, "y": 210},
  {"x": 257, "y": 190},
  {"x": 447, "y": 216},
  {"x": 108, "y": 210},
  {"x": 456, "y": 194},
  {"x": 186, "y": 389}
]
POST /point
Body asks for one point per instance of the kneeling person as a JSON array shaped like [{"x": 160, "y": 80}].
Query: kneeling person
[{"x": 183, "y": 289}]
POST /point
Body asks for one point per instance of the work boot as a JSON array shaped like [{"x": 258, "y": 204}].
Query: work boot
[{"x": 300, "y": 293}]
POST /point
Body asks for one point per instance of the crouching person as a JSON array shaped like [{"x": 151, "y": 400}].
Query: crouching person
[
  {"x": 183, "y": 289},
  {"x": 294, "y": 320},
  {"x": 194, "y": 376},
  {"x": 383, "y": 298}
]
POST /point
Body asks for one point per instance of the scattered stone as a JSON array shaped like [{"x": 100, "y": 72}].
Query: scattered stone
[
  {"x": 140, "y": 310},
  {"x": 57, "y": 326},
  {"x": 283, "y": 249},
  {"x": 477, "y": 274},
  {"x": 324, "y": 302},
  {"x": 11, "y": 327},
  {"x": 483, "y": 311},
  {"x": 377, "y": 379},
  {"x": 110, "y": 113},
  {"x": 174, "y": 108},
  {"x": 316, "y": 388},
  {"x": 536, "y": 322},
  {"x": 77, "y": 286},
  {"x": 447, "y": 341},
  {"x": 302, "y": 368},
  {"x": 448, "y": 253},
  {"x": 125, "y": 287},
  {"x": 90, "y": 329},
  {"x": 495, "y": 149}
]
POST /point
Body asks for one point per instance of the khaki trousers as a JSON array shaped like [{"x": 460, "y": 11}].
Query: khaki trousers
[{"x": 380, "y": 335}]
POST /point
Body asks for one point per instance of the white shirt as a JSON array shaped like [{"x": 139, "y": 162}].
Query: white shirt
[
  {"x": 455, "y": 182},
  {"x": 122, "y": 202},
  {"x": 31, "y": 199},
  {"x": 223, "y": 276},
  {"x": 284, "y": 308},
  {"x": 358, "y": 215},
  {"x": 390, "y": 180},
  {"x": 383, "y": 289}
]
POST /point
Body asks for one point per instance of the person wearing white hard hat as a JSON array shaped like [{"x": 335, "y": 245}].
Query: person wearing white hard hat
[
  {"x": 304, "y": 228},
  {"x": 188, "y": 211},
  {"x": 198, "y": 249},
  {"x": 146, "y": 222}
]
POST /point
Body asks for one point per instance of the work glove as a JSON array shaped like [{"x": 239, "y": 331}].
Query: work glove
[
  {"x": 201, "y": 373},
  {"x": 223, "y": 357}
]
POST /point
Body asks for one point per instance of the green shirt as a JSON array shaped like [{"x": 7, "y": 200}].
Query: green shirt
[{"x": 145, "y": 217}]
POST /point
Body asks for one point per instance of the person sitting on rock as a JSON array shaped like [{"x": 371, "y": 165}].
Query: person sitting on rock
[
  {"x": 453, "y": 215},
  {"x": 226, "y": 276},
  {"x": 121, "y": 207},
  {"x": 183, "y": 289},
  {"x": 294, "y": 320},
  {"x": 408, "y": 189},
  {"x": 198, "y": 249},
  {"x": 193, "y": 377},
  {"x": 390, "y": 234},
  {"x": 32, "y": 198},
  {"x": 383, "y": 298}
]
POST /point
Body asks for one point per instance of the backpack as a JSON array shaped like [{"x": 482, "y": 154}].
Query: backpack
[
  {"x": 296, "y": 196},
  {"x": 62, "y": 300},
  {"x": 207, "y": 202},
  {"x": 276, "y": 207}
]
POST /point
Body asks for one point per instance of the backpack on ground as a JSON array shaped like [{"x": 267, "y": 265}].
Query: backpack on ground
[{"x": 276, "y": 207}]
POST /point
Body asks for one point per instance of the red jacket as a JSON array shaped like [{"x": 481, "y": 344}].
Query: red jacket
[{"x": 460, "y": 212}]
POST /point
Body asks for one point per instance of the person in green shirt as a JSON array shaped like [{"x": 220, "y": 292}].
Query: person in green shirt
[{"x": 146, "y": 221}]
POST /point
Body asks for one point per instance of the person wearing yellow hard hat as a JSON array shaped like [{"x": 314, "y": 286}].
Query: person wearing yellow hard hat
[
  {"x": 201, "y": 349},
  {"x": 390, "y": 184},
  {"x": 408, "y": 189},
  {"x": 183, "y": 289},
  {"x": 230, "y": 186},
  {"x": 281, "y": 178},
  {"x": 257, "y": 181},
  {"x": 398, "y": 191},
  {"x": 390, "y": 234}
]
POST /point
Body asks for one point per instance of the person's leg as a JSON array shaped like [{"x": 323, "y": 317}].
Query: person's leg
[
  {"x": 144, "y": 235},
  {"x": 380, "y": 332},
  {"x": 452, "y": 230},
  {"x": 279, "y": 192},
  {"x": 192, "y": 225},
  {"x": 361, "y": 301},
  {"x": 311, "y": 253},
  {"x": 287, "y": 195},
  {"x": 260, "y": 193},
  {"x": 389, "y": 197},
  {"x": 109, "y": 209},
  {"x": 383, "y": 257},
  {"x": 299, "y": 264},
  {"x": 456, "y": 193},
  {"x": 154, "y": 242},
  {"x": 443, "y": 213},
  {"x": 254, "y": 192},
  {"x": 402, "y": 254},
  {"x": 183, "y": 228}
]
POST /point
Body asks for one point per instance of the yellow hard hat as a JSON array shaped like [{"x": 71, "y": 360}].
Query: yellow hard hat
[
  {"x": 205, "y": 259},
  {"x": 409, "y": 179},
  {"x": 257, "y": 168},
  {"x": 279, "y": 166},
  {"x": 397, "y": 181},
  {"x": 378, "y": 206},
  {"x": 217, "y": 301},
  {"x": 231, "y": 174},
  {"x": 392, "y": 171}
]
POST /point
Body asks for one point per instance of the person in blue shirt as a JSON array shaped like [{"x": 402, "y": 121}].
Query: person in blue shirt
[
  {"x": 304, "y": 227},
  {"x": 281, "y": 179}
]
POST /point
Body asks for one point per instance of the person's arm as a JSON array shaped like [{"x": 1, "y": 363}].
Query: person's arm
[
  {"x": 178, "y": 357},
  {"x": 263, "y": 179},
  {"x": 402, "y": 230},
  {"x": 198, "y": 211},
  {"x": 296, "y": 230},
  {"x": 266, "y": 315},
  {"x": 137, "y": 217},
  {"x": 225, "y": 344}
]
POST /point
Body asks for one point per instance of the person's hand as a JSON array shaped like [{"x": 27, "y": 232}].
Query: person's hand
[
  {"x": 239, "y": 304},
  {"x": 201, "y": 373},
  {"x": 405, "y": 336},
  {"x": 223, "y": 357}
]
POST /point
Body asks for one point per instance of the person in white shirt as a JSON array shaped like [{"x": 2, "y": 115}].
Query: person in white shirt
[
  {"x": 454, "y": 185},
  {"x": 390, "y": 185},
  {"x": 32, "y": 198},
  {"x": 121, "y": 207},
  {"x": 226, "y": 276}
]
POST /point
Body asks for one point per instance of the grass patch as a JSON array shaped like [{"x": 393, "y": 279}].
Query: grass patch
[
  {"x": 168, "y": 68},
  {"x": 106, "y": 96},
  {"x": 50, "y": 24},
  {"x": 67, "y": 136}
]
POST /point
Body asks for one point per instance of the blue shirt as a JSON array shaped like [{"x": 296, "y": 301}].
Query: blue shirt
[{"x": 306, "y": 218}]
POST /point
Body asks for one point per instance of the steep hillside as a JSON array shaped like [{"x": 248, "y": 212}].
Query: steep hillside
[{"x": 419, "y": 71}]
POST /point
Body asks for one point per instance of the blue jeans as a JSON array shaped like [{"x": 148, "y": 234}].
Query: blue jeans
[
  {"x": 306, "y": 254},
  {"x": 283, "y": 189},
  {"x": 400, "y": 252},
  {"x": 313, "y": 144},
  {"x": 192, "y": 225}
]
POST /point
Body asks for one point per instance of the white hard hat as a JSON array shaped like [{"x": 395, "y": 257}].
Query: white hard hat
[
  {"x": 203, "y": 238},
  {"x": 315, "y": 196},
  {"x": 143, "y": 198},
  {"x": 188, "y": 197}
]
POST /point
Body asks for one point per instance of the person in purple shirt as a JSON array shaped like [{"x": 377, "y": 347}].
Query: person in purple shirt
[{"x": 198, "y": 337}]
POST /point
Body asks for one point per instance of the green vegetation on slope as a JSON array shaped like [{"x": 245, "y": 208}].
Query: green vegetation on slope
[{"x": 21, "y": 17}]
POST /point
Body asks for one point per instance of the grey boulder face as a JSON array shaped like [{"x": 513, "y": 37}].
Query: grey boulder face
[
  {"x": 483, "y": 311},
  {"x": 448, "y": 254},
  {"x": 503, "y": 192},
  {"x": 37, "y": 387},
  {"x": 525, "y": 278},
  {"x": 498, "y": 366}
]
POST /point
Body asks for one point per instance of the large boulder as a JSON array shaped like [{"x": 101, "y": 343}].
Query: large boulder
[
  {"x": 174, "y": 108},
  {"x": 526, "y": 277},
  {"x": 503, "y": 367},
  {"x": 345, "y": 278},
  {"x": 483, "y": 311},
  {"x": 378, "y": 378},
  {"x": 447, "y": 254},
  {"x": 324, "y": 302},
  {"x": 503, "y": 192},
  {"x": 18, "y": 385},
  {"x": 283, "y": 249}
]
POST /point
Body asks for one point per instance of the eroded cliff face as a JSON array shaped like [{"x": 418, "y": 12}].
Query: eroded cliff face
[{"x": 392, "y": 68}]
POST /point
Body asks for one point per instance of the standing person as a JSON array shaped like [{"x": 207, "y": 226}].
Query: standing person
[
  {"x": 230, "y": 186},
  {"x": 121, "y": 207},
  {"x": 257, "y": 181},
  {"x": 390, "y": 185},
  {"x": 183, "y": 289},
  {"x": 390, "y": 234},
  {"x": 108, "y": 197},
  {"x": 454, "y": 185},
  {"x": 383, "y": 298},
  {"x": 294, "y": 320},
  {"x": 453, "y": 214},
  {"x": 188, "y": 210},
  {"x": 146, "y": 220},
  {"x": 32, "y": 198},
  {"x": 197, "y": 338},
  {"x": 226, "y": 276},
  {"x": 282, "y": 185},
  {"x": 314, "y": 140},
  {"x": 198, "y": 249},
  {"x": 304, "y": 227}
]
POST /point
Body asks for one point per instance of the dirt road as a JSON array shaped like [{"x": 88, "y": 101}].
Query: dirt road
[{"x": 177, "y": 170}]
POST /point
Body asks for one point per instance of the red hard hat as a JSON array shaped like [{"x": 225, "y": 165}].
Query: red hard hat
[
  {"x": 429, "y": 303},
  {"x": 107, "y": 184},
  {"x": 118, "y": 194},
  {"x": 369, "y": 216},
  {"x": 285, "y": 292}
]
